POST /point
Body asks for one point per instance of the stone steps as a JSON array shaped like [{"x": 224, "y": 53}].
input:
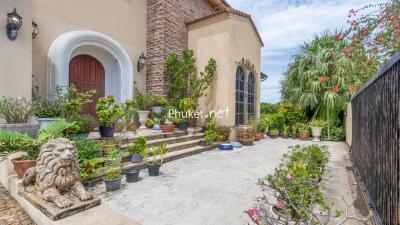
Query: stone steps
[{"x": 170, "y": 156}]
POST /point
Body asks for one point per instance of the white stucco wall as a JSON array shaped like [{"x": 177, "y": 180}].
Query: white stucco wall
[
  {"x": 123, "y": 21},
  {"x": 16, "y": 56}
]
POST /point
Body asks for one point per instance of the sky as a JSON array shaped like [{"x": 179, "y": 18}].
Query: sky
[{"x": 285, "y": 24}]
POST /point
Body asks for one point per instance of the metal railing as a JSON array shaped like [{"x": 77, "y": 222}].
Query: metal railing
[{"x": 375, "y": 141}]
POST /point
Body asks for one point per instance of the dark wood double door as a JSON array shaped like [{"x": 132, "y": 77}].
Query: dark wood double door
[{"x": 87, "y": 73}]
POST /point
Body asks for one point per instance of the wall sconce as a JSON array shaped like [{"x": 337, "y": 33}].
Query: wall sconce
[
  {"x": 14, "y": 22},
  {"x": 35, "y": 30},
  {"x": 141, "y": 62}
]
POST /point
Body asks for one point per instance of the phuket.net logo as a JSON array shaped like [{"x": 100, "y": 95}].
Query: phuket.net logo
[{"x": 217, "y": 113}]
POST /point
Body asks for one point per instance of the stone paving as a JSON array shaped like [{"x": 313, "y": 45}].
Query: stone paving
[
  {"x": 11, "y": 213},
  {"x": 216, "y": 187}
]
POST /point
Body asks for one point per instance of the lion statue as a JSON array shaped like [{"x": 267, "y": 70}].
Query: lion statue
[{"x": 56, "y": 174}]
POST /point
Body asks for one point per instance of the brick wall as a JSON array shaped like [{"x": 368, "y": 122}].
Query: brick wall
[{"x": 167, "y": 34}]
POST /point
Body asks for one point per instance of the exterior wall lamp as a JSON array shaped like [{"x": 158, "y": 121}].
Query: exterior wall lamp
[
  {"x": 35, "y": 30},
  {"x": 141, "y": 62},
  {"x": 14, "y": 23}
]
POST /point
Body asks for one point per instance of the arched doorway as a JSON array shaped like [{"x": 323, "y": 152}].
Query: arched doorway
[
  {"x": 117, "y": 64},
  {"x": 87, "y": 73}
]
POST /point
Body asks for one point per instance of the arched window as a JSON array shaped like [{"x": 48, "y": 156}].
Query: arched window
[
  {"x": 251, "y": 96},
  {"x": 240, "y": 98}
]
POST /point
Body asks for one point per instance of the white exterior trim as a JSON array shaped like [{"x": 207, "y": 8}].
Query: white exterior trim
[{"x": 60, "y": 52}]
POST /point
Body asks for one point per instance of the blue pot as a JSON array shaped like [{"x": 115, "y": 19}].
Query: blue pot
[
  {"x": 81, "y": 136},
  {"x": 106, "y": 131},
  {"x": 183, "y": 125},
  {"x": 225, "y": 147}
]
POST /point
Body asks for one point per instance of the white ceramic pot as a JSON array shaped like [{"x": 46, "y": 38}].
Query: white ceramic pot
[
  {"x": 143, "y": 115},
  {"x": 44, "y": 122},
  {"x": 316, "y": 133},
  {"x": 190, "y": 131}
]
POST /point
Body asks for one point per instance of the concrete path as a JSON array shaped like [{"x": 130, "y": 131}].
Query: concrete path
[{"x": 216, "y": 187}]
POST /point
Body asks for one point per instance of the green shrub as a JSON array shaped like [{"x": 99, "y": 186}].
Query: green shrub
[
  {"x": 88, "y": 149},
  {"x": 336, "y": 134},
  {"x": 86, "y": 123},
  {"x": 224, "y": 131},
  {"x": 90, "y": 167},
  {"x": 277, "y": 120},
  {"x": 138, "y": 146},
  {"x": 295, "y": 184}
]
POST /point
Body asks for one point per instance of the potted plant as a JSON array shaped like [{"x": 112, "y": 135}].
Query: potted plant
[
  {"x": 285, "y": 131},
  {"x": 224, "y": 132},
  {"x": 303, "y": 131},
  {"x": 188, "y": 106},
  {"x": 16, "y": 112},
  {"x": 86, "y": 125},
  {"x": 154, "y": 164},
  {"x": 109, "y": 112},
  {"x": 113, "y": 176},
  {"x": 259, "y": 128},
  {"x": 144, "y": 102},
  {"x": 47, "y": 111},
  {"x": 114, "y": 155},
  {"x": 137, "y": 149},
  {"x": 129, "y": 109},
  {"x": 89, "y": 168},
  {"x": 316, "y": 128},
  {"x": 159, "y": 104},
  {"x": 132, "y": 175},
  {"x": 274, "y": 133},
  {"x": 13, "y": 141},
  {"x": 168, "y": 126}
]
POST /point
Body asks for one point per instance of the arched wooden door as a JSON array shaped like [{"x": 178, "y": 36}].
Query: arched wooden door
[{"x": 87, "y": 73}]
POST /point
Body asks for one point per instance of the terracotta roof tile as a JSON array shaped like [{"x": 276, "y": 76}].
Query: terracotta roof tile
[{"x": 230, "y": 11}]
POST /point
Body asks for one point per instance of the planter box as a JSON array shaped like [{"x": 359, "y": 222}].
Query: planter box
[
  {"x": 25, "y": 128},
  {"x": 44, "y": 122}
]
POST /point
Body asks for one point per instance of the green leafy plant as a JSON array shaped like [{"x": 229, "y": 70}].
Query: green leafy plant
[
  {"x": 160, "y": 101},
  {"x": 150, "y": 123},
  {"x": 88, "y": 149},
  {"x": 45, "y": 108},
  {"x": 15, "y": 110},
  {"x": 159, "y": 153},
  {"x": 185, "y": 82},
  {"x": 138, "y": 146},
  {"x": 224, "y": 132},
  {"x": 108, "y": 111},
  {"x": 302, "y": 128},
  {"x": 211, "y": 134},
  {"x": 337, "y": 134},
  {"x": 318, "y": 123},
  {"x": 295, "y": 185},
  {"x": 129, "y": 109},
  {"x": 187, "y": 105},
  {"x": 91, "y": 167},
  {"x": 74, "y": 102},
  {"x": 274, "y": 132},
  {"x": 59, "y": 128},
  {"x": 145, "y": 100},
  {"x": 86, "y": 123},
  {"x": 13, "y": 141}
]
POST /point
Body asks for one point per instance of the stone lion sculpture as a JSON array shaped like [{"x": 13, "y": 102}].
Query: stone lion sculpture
[{"x": 56, "y": 174}]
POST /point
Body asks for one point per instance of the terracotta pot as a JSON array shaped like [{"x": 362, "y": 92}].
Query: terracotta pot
[
  {"x": 131, "y": 127},
  {"x": 167, "y": 128},
  {"x": 304, "y": 136},
  {"x": 245, "y": 134},
  {"x": 285, "y": 135},
  {"x": 21, "y": 166},
  {"x": 259, "y": 136}
]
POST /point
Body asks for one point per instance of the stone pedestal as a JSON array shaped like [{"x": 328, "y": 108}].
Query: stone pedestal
[{"x": 50, "y": 210}]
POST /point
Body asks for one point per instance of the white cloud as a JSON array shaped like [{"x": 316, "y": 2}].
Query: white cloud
[{"x": 286, "y": 24}]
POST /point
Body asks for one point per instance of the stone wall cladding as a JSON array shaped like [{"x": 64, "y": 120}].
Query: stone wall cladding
[{"x": 167, "y": 34}]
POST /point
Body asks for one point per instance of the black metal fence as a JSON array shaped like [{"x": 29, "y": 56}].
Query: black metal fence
[{"x": 375, "y": 141}]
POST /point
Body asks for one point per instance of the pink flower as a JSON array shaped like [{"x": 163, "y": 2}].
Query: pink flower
[
  {"x": 264, "y": 188},
  {"x": 324, "y": 78},
  {"x": 280, "y": 205},
  {"x": 338, "y": 36},
  {"x": 322, "y": 213},
  {"x": 254, "y": 214},
  {"x": 19, "y": 98},
  {"x": 346, "y": 51},
  {"x": 391, "y": 18},
  {"x": 289, "y": 177}
]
